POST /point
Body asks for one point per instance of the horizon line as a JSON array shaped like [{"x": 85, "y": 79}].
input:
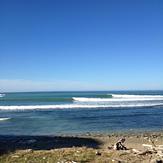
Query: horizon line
[{"x": 82, "y": 91}]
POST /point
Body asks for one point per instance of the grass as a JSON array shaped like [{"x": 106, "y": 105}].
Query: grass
[{"x": 69, "y": 155}]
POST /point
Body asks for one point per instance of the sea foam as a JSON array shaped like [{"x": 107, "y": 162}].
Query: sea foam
[
  {"x": 136, "y": 96},
  {"x": 71, "y": 106},
  {"x": 2, "y": 95},
  {"x": 4, "y": 119},
  {"x": 121, "y": 98}
]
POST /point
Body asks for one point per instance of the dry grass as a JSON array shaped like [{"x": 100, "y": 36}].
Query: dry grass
[
  {"x": 72, "y": 155},
  {"x": 50, "y": 156},
  {"x": 48, "y": 150}
]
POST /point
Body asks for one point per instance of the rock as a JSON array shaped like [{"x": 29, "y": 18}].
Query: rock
[{"x": 98, "y": 153}]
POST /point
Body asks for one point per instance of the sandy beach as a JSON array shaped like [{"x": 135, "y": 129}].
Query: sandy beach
[{"x": 80, "y": 148}]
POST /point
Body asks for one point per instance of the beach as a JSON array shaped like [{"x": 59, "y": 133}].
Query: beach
[{"x": 79, "y": 148}]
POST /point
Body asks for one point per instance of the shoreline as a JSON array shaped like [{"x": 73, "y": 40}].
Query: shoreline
[{"x": 125, "y": 133}]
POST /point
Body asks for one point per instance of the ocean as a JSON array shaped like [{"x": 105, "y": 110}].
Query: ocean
[{"x": 59, "y": 113}]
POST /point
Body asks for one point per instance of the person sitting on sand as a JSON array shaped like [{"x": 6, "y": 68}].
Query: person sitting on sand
[{"x": 119, "y": 145}]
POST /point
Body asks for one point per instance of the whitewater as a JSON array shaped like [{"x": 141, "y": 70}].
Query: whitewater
[
  {"x": 113, "y": 101},
  {"x": 41, "y": 113}
]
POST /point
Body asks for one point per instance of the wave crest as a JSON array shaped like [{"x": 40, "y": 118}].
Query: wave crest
[
  {"x": 71, "y": 106},
  {"x": 4, "y": 119},
  {"x": 120, "y": 97},
  {"x": 2, "y": 95}
]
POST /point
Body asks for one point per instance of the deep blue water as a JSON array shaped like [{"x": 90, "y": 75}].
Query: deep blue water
[{"x": 98, "y": 112}]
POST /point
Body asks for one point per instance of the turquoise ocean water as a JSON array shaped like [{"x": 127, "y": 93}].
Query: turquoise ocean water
[{"x": 57, "y": 113}]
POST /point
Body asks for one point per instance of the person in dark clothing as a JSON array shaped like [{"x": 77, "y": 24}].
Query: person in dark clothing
[{"x": 119, "y": 145}]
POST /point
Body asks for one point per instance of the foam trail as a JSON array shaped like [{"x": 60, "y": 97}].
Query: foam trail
[
  {"x": 4, "y": 119},
  {"x": 71, "y": 106}
]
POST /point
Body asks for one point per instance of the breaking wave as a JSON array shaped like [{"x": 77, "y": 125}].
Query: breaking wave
[
  {"x": 4, "y": 119},
  {"x": 2, "y": 95},
  {"x": 71, "y": 106},
  {"x": 136, "y": 96},
  {"x": 121, "y": 97},
  {"x": 100, "y": 101}
]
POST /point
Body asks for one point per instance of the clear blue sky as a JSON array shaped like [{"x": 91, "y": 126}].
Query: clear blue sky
[{"x": 81, "y": 44}]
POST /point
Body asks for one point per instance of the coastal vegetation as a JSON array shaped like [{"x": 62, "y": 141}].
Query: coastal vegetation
[{"x": 81, "y": 149}]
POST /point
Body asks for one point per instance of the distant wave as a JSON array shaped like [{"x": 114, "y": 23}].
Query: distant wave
[
  {"x": 136, "y": 96},
  {"x": 120, "y": 97},
  {"x": 49, "y": 99},
  {"x": 100, "y": 101},
  {"x": 39, "y": 99},
  {"x": 2, "y": 95},
  {"x": 4, "y": 119},
  {"x": 69, "y": 106}
]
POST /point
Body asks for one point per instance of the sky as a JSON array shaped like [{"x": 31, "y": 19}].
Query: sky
[{"x": 61, "y": 45}]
